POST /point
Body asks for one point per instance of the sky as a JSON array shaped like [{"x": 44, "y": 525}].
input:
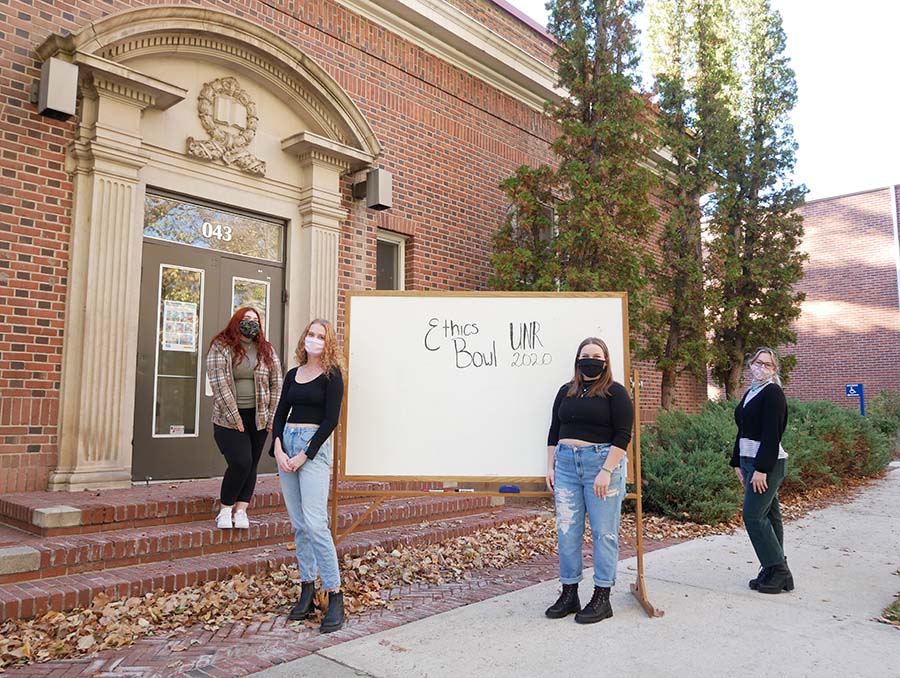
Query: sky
[{"x": 849, "y": 101}]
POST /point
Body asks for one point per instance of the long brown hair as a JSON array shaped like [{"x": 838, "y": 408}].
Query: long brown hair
[
  {"x": 332, "y": 355},
  {"x": 231, "y": 337},
  {"x": 601, "y": 385}
]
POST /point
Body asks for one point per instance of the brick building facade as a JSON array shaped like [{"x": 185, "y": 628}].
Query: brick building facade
[
  {"x": 849, "y": 331},
  {"x": 253, "y": 113}
]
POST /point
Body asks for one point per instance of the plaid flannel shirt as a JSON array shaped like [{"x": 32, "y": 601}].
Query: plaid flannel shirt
[{"x": 221, "y": 380}]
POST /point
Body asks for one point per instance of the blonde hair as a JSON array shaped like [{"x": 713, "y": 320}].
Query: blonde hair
[
  {"x": 332, "y": 355},
  {"x": 601, "y": 386},
  {"x": 775, "y": 359}
]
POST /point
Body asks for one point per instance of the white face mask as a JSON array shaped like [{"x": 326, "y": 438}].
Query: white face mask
[
  {"x": 760, "y": 373},
  {"x": 314, "y": 346}
]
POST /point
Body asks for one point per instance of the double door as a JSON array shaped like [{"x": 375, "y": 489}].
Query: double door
[{"x": 188, "y": 295}]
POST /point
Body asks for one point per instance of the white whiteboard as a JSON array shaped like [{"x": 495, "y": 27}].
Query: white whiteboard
[{"x": 460, "y": 386}]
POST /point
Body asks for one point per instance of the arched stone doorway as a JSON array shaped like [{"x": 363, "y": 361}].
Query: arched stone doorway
[{"x": 223, "y": 113}]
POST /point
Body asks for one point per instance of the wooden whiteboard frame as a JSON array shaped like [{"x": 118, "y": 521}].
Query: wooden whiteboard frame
[{"x": 341, "y": 458}]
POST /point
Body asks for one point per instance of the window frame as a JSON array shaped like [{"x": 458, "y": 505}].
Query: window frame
[{"x": 400, "y": 241}]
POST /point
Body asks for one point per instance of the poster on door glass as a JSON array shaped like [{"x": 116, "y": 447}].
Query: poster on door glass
[{"x": 179, "y": 326}]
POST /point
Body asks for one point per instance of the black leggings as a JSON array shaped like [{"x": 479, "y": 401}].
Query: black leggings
[{"x": 242, "y": 452}]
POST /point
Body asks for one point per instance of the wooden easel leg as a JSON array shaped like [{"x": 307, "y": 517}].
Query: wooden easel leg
[
  {"x": 639, "y": 588},
  {"x": 356, "y": 522}
]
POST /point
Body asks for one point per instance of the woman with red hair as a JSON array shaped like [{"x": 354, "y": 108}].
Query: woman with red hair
[{"x": 245, "y": 376}]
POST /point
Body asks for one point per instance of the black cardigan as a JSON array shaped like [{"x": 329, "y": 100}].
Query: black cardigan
[{"x": 764, "y": 419}]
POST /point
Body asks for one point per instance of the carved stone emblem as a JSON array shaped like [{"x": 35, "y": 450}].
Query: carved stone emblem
[{"x": 228, "y": 116}]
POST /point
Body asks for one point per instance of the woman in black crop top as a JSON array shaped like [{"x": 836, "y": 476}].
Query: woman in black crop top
[
  {"x": 306, "y": 416},
  {"x": 589, "y": 431}
]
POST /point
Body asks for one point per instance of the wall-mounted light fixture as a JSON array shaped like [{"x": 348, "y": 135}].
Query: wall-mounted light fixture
[
  {"x": 377, "y": 189},
  {"x": 58, "y": 89}
]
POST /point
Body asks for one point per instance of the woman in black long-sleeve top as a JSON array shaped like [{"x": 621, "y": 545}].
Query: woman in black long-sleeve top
[
  {"x": 306, "y": 416},
  {"x": 761, "y": 465},
  {"x": 589, "y": 433}
]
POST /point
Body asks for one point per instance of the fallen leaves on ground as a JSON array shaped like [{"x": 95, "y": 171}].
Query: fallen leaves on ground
[
  {"x": 367, "y": 582},
  {"x": 891, "y": 614}
]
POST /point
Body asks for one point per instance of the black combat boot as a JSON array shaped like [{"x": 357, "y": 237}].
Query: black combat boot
[
  {"x": 597, "y": 609},
  {"x": 334, "y": 618},
  {"x": 566, "y": 604},
  {"x": 754, "y": 583},
  {"x": 777, "y": 579},
  {"x": 304, "y": 607}
]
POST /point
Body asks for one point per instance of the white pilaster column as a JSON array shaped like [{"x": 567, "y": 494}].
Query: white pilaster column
[
  {"x": 313, "y": 244},
  {"x": 100, "y": 345}
]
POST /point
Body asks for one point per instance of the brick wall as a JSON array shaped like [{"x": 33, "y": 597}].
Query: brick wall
[
  {"x": 449, "y": 139},
  {"x": 850, "y": 327}
]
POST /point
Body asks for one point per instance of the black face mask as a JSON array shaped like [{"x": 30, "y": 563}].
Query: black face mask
[
  {"x": 591, "y": 367},
  {"x": 249, "y": 328}
]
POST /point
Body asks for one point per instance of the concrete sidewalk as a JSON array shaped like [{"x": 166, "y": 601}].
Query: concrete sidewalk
[{"x": 843, "y": 558}]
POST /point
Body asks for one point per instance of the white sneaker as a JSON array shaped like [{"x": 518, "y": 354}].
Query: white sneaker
[
  {"x": 223, "y": 520},
  {"x": 241, "y": 521}
]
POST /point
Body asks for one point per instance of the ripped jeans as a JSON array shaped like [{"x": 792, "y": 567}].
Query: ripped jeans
[{"x": 573, "y": 490}]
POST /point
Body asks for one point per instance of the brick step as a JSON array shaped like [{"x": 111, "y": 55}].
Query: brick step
[
  {"x": 44, "y": 557},
  {"x": 34, "y": 598},
  {"x": 56, "y": 513}
]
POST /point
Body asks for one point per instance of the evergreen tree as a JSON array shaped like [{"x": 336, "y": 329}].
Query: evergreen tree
[
  {"x": 693, "y": 68},
  {"x": 754, "y": 231},
  {"x": 582, "y": 225}
]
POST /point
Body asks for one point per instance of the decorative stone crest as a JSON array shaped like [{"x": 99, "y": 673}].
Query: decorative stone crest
[{"x": 229, "y": 117}]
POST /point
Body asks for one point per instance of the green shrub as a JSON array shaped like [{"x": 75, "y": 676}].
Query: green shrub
[
  {"x": 685, "y": 458},
  {"x": 884, "y": 412},
  {"x": 687, "y": 475},
  {"x": 827, "y": 442}
]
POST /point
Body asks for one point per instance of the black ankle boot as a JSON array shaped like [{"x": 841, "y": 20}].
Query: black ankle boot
[
  {"x": 597, "y": 609},
  {"x": 334, "y": 618},
  {"x": 304, "y": 607},
  {"x": 754, "y": 583},
  {"x": 566, "y": 604},
  {"x": 777, "y": 579}
]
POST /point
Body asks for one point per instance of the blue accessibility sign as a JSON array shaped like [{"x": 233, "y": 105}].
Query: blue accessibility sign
[{"x": 857, "y": 391}]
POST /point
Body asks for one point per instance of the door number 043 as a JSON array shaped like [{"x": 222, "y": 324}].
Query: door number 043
[{"x": 217, "y": 231}]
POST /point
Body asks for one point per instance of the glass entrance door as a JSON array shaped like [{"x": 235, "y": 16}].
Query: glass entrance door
[{"x": 188, "y": 293}]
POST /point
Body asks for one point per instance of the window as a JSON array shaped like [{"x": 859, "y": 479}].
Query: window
[
  {"x": 545, "y": 230},
  {"x": 178, "y": 352},
  {"x": 390, "y": 261},
  {"x": 211, "y": 228}
]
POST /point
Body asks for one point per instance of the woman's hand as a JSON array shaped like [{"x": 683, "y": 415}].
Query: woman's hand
[
  {"x": 550, "y": 478},
  {"x": 284, "y": 463},
  {"x": 240, "y": 426},
  {"x": 601, "y": 484},
  {"x": 758, "y": 482},
  {"x": 297, "y": 461},
  {"x": 739, "y": 474}
]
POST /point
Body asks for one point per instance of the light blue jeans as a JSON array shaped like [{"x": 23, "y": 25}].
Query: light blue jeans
[
  {"x": 573, "y": 490},
  {"x": 306, "y": 497}
]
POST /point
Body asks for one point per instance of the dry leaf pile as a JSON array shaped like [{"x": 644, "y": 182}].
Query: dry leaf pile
[{"x": 367, "y": 582}]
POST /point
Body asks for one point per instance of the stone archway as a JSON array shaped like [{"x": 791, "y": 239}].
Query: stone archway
[{"x": 109, "y": 159}]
